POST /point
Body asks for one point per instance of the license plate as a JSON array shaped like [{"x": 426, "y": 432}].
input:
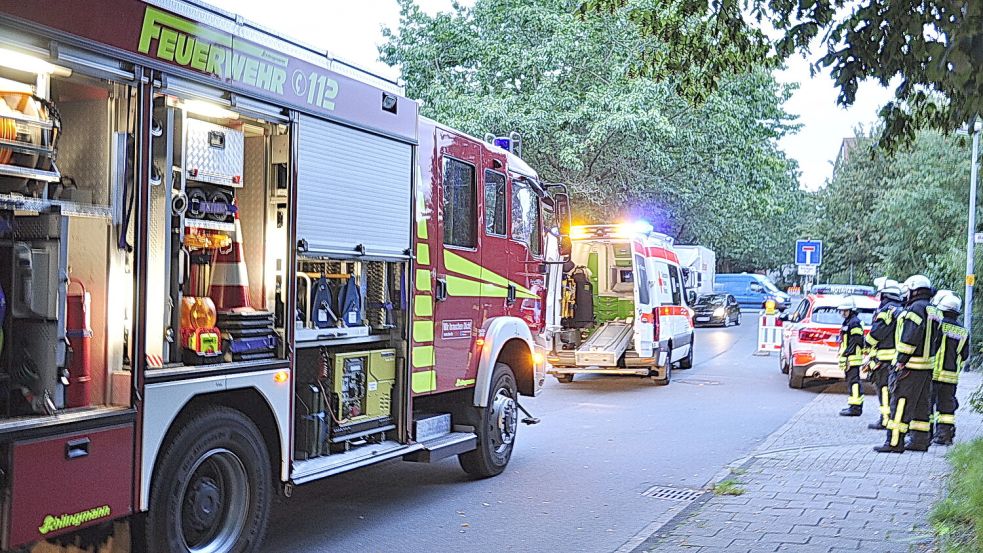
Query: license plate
[{"x": 702, "y": 319}]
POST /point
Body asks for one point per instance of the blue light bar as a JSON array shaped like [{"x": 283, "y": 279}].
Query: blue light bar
[{"x": 504, "y": 143}]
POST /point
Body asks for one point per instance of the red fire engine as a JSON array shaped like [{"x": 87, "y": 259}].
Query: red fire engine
[{"x": 279, "y": 272}]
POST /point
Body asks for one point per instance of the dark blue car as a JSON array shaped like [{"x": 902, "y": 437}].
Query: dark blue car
[{"x": 751, "y": 290}]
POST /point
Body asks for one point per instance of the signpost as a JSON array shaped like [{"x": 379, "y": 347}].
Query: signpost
[{"x": 808, "y": 256}]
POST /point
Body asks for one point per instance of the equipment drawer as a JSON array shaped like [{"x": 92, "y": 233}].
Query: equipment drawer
[{"x": 63, "y": 483}]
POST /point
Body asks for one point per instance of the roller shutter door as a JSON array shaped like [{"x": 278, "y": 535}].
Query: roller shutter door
[{"x": 353, "y": 192}]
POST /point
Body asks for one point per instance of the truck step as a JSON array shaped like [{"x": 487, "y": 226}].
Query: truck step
[
  {"x": 443, "y": 447},
  {"x": 605, "y": 345},
  {"x": 429, "y": 426}
]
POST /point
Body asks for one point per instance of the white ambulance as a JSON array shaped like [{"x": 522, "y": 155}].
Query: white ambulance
[{"x": 624, "y": 305}]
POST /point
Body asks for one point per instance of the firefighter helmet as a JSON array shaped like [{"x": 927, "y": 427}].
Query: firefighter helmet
[
  {"x": 941, "y": 294},
  {"x": 880, "y": 283},
  {"x": 892, "y": 292},
  {"x": 917, "y": 282},
  {"x": 847, "y": 305},
  {"x": 949, "y": 303}
]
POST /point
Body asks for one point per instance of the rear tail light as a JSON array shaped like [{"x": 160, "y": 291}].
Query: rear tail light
[
  {"x": 800, "y": 358},
  {"x": 815, "y": 335}
]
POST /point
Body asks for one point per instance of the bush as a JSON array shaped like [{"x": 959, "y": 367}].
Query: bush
[{"x": 958, "y": 518}]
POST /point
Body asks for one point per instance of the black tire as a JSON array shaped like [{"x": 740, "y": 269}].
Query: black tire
[
  {"x": 495, "y": 441},
  {"x": 796, "y": 380},
  {"x": 782, "y": 363},
  {"x": 726, "y": 321},
  {"x": 564, "y": 378},
  {"x": 687, "y": 362},
  {"x": 738, "y": 323},
  {"x": 218, "y": 459}
]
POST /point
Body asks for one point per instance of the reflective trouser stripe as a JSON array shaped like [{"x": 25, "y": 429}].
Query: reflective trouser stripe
[
  {"x": 920, "y": 426},
  {"x": 949, "y": 377},
  {"x": 896, "y": 426},
  {"x": 946, "y": 418},
  {"x": 856, "y": 398},
  {"x": 885, "y": 406}
]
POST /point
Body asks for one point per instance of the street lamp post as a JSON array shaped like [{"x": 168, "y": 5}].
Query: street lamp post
[{"x": 971, "y": 234}]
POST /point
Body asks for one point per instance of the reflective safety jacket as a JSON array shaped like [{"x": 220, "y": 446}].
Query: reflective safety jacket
[
  {"x": 953, "y": 351},
  {"x": 851, "y": 343},
  {"x": 880, "y": 339},
  {"x": 917, "y": 336}
]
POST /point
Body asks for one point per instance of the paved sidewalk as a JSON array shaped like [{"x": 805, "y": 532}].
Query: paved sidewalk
[{"x": 816, "y": 485}]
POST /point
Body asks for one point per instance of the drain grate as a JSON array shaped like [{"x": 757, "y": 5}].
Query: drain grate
[{"x": 673, "y": 494}]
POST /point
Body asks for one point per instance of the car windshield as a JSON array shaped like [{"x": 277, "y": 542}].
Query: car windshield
[
  {"x": 831, "y": 316},
  {"x": 714, "y": 299}
]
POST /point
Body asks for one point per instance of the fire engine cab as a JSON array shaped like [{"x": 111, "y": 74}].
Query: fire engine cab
[
  {"x": 623, "y": 305},
  {"x": 231, "y": 264}
]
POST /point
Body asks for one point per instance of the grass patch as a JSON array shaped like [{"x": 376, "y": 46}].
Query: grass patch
[
  {"x": 957, "y": 519},
  {"x": 728, "y": 487}
]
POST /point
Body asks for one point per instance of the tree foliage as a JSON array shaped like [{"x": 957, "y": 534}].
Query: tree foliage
[
  {"x": 627, "y": 144},
  {"x": 933, "y": 49},
  {"x": 900, "y": 214}
]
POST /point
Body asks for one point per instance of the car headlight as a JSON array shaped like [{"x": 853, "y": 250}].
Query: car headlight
[{"x": 718, "y": 312}]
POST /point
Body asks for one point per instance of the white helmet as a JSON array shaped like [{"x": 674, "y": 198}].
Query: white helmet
[
  {"x": 880, "y": 283},
  {"x": 916, "y": 282},
  {"x": 949, "y": 302},
  {"x": 941, "y": 294},
  {"x": 892, "y": 283},
  {"x": 892, "y": 292},
  {"x": 847, "y": 305}
]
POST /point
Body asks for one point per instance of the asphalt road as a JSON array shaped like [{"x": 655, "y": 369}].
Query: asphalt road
[{"x": 575, "y": 480}]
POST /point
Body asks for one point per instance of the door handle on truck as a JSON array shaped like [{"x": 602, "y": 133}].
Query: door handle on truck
[
  {"x": 510, "y": 296},
  {"x": 75, "y": 449},
  {"x": 440, "y": 294}
]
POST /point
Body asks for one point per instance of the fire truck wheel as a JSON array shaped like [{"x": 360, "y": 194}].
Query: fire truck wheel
[
  {"x": 496, "y": 427},
  {"x": 212, "y": 488},
  {"x": 564, "y": 378}
]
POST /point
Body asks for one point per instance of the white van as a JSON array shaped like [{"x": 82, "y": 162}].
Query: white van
[{"x": 623, "y": 305}]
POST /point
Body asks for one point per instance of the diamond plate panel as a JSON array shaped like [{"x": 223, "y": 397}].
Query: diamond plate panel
[
  {"x": 208, "y": 162},
  {"x": 83, "y": 150}
]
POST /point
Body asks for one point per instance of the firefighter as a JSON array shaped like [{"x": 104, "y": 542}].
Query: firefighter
[
  {"x": 880, "y": 360},
  {"x": 916, "y": 341},
  {"x": 952, "y": 355},
  {"x": 852, "y": 357}
]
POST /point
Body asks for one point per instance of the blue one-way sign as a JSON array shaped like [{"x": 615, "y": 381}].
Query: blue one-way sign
[{"x": 808, "y": 252}]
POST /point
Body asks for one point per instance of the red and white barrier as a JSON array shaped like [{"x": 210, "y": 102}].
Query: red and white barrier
[{"x": 769, "y": 333}]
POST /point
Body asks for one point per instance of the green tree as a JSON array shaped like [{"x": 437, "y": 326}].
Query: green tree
[
  {"x": 932, "y": 47},
  {"x": 627, "y": 144}
]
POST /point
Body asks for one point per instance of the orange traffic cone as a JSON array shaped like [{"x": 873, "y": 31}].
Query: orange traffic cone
[{"x": 230, "y": 283}]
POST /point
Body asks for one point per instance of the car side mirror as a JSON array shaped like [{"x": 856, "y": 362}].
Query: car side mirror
[{"x": 691, "y": 297}]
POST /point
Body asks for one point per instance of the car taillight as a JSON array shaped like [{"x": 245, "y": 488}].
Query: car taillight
[
  {"x": 800, "y": 358},
  {"x": 815, "y": 334}
]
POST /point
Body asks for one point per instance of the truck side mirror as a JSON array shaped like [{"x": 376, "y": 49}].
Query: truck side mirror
[{"x": 690, "y": 297}]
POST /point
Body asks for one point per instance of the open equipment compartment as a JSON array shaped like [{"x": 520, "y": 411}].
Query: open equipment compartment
[
  {"x": 218, "y": 237},
  {"x": 354, "y": 237}
]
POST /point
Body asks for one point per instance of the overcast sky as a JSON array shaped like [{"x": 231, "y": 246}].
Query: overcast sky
[{"x": 353, "y": 30}]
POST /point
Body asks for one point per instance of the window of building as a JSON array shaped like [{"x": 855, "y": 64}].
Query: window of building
[{"x": 460, "y": 205}]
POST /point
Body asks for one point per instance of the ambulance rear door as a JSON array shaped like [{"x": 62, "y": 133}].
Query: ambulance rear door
[{"x": 645, "y": 300}]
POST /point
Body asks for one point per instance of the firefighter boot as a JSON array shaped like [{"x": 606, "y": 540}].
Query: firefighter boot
[
  {"x": 895, "y": 438},
  {"x": 944, "y": 434},
  {"x": 876, "y": 425},
  {"x": 852, "y": 411},
  {"x": 918, "y": 441}
]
